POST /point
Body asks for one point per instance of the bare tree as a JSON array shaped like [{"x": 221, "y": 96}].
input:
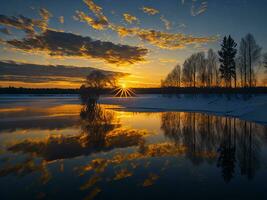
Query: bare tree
[
  {"x": 254, "y": 54},
  {"x": 242, "y": 62},
  {"x": 191, "y": 68},
  {"x": 173, "y": 79},
  {"x": 99, "y": 80},
  {"x": 212, "y": 68},
  {"x": 201, "y": 68},
  {"x": 265, "y": 60}
]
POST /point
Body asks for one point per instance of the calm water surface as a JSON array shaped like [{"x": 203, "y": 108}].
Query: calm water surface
[{"x": 58, "y": 149}]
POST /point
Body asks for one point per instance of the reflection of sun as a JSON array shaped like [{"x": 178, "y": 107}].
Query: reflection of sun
[{"x": 123, "y": 91}]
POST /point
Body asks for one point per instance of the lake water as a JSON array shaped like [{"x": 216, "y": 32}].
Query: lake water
[{"x": 55, "y": 148}]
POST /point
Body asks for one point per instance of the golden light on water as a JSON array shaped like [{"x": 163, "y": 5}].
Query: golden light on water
[{"x": 123, "y": 91}]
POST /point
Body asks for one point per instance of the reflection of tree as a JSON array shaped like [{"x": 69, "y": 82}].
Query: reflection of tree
[
  {"x": 224, "y": 140},
  {"x": 99, "y": 132},
  {"x": 227, "y": 149},
  {"x": 249, "y": 150},
  {"x": 96, "y": 122}
]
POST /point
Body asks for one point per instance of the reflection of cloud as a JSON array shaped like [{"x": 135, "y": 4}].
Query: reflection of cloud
[
  {"x": 82, "y": 144},
  {"x": 150, "y": 11},
  {"x": 150, "y": 180},
  {"x": 129, "y": 18},
  {"x": 56, "y": 43},
  {"x": 122, "y": 174},
  {"x": 166, "y": 22}
]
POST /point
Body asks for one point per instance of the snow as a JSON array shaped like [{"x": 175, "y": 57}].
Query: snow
[{"x": 247, "y": 107}]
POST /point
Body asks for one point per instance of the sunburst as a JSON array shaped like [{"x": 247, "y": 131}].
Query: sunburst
[{"x": 123, "y": 91}]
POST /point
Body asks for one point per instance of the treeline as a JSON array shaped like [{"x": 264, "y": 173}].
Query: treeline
[
  {"x": 227, "y": 68},
  {"x": 167, "y": 90},
  {"x": 41, "y": 91}
]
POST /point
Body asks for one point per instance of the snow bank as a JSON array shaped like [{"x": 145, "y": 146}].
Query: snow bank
[{"x": 247, "y": 107}]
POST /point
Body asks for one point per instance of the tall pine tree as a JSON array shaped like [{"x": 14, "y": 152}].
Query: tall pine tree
[{"x": 227, "y": 59}]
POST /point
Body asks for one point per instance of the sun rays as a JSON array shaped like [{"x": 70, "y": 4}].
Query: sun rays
[{"x": 124, "y": 92}]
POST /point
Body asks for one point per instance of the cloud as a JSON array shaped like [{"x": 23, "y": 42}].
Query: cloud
[
  {"x": 150, "y": 11},
  {"x": 98, "y": 24},
  {"x": 100, "y": 21},
  {"x": 26, "y": 24},
  {"x": 20, "y": 22},
  {"x": 56, "y": 43},
  {"x": 129, "y": 18},
  {"x": 166, "y": 22},
  {"x": 5, "y": 31},
  {"x": 161, "y": 39},
  {"x": 34, "y": 73},
  {"x": 199, "y": 9},
  {"x": 164, "y": 60},
  {"x": 61, "y": 19}
]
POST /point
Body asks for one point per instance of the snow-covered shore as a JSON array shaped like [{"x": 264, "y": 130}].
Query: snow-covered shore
[{"x": 250, "y": 107}]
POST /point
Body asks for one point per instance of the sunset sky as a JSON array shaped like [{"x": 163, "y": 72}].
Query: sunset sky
[{"x": 143, "y": 38}]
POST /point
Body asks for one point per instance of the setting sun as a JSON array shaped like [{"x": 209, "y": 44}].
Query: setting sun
[{"x": 123, "y": 86}]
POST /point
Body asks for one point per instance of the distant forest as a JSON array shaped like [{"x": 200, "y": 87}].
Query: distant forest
[
  {"x": 169, "y": 90},
  {"x": 229, "y": 67}
]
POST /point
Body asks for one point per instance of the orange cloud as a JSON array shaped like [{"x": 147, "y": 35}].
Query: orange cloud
[
  {"x": 129, "y": 18},
  {"x": 150, "y": 11},
  {"x": 161, "y": 39}
]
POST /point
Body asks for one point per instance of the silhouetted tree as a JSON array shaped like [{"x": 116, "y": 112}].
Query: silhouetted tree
[
  {"x": 253, "y": 54},
  {"x": 201, "y": 68},
  {"x": 242, "y": 62},
  {"x": 212, "y": 70},
  {"x": 265, "y": 60},
  {"x": 95, "y": 82},
  {"x": 227, "y": 59},
  {"x": 173, "y": 79}
]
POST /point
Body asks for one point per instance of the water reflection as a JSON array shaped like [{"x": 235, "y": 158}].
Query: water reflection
[
  {"x": 104, "y": 147},
  {"x": 99, "y": 131},
  {"x": 229, "y": 142}
]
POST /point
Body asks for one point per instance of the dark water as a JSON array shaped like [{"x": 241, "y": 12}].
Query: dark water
[{"x": 55, "y": 150}]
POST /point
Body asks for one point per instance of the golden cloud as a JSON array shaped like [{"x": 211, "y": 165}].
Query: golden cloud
[
  {"x": 98, "y": 24},
  {"x": 129, "y": 18},
  {"x": 150, "y": 11},
  {"x": 162, "y": 39}
]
